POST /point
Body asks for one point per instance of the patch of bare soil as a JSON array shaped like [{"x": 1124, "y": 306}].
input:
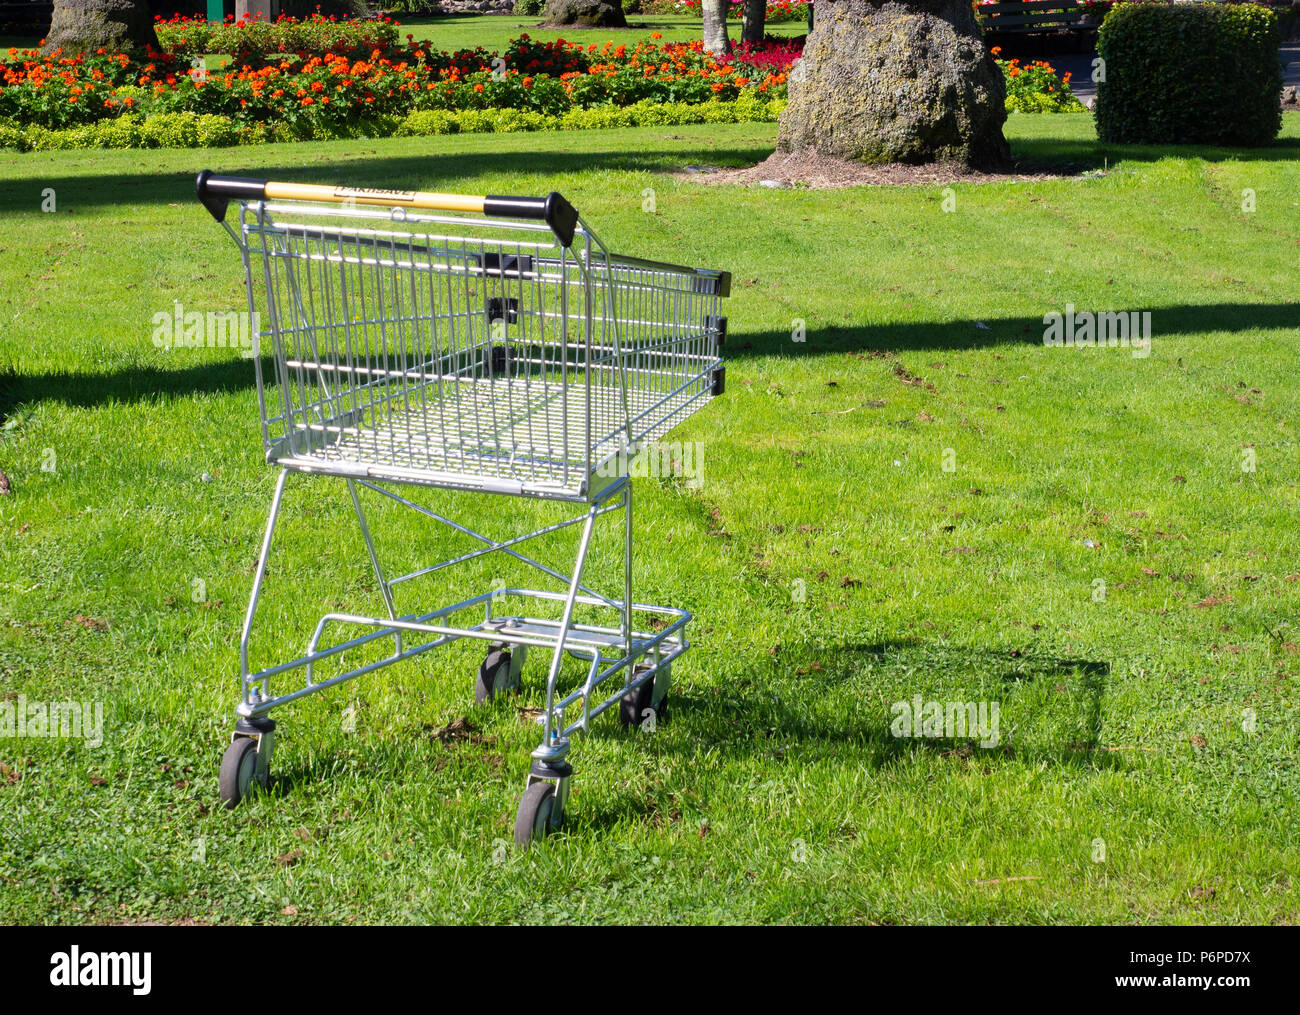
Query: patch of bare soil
[{"x": 821, "y": 172}]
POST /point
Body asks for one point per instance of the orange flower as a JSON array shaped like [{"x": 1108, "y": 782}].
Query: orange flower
[
  {"x": 478, "y": 88},
  {"x": 527, "y": 82},
  {"x": 656, "y": 35}
]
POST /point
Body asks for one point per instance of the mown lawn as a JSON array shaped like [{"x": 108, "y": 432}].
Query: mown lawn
[
  {"x": 1160, "y": 717},
  {"x": 494, "y": 31}
]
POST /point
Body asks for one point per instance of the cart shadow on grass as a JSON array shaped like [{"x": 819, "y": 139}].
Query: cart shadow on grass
[
  {"x": 839, "y": 705},
  {"x": 742, "y": 719}
]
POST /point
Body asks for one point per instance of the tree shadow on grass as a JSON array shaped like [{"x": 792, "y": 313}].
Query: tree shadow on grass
[
  {"x": 137, "y": 384},
  {"x": 1054, "y": 703},
  {"x": 1089, "y": 153},
  {"x": 427, "y": 171},
  {"x": 940, "y": 336}
]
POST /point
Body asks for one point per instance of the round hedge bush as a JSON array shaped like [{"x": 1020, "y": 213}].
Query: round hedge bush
[{"x": 1204, "y": 73}]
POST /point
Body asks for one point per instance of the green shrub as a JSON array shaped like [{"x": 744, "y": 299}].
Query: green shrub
[
  {"x": 215, "y": 131},
  {"x": 529, "y": 8},
  {"x": 12, "y": 136},
  {"x": 426, "y": 122},
  {"x": 209, "y": 130},
  {"x": 170, "y": 130},
  {"x": 124, "y": 132},
  {"x": 1189, "y": 74}
]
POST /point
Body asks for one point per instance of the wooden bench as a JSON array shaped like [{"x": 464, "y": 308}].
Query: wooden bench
[
  {"x": 25, "y": 18},
  {"x": 1030, "y": 16}
]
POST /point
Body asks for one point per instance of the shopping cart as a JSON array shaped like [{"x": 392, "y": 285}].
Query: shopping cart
[{"x": 486, "y": 344}]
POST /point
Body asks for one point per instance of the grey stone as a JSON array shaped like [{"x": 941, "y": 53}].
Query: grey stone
[
  {"x": 774, "y": 184},
  {"x": 897, "y": 81},
  {"x": 588, "y": 13},
  {"x": 81, "y": 26}
]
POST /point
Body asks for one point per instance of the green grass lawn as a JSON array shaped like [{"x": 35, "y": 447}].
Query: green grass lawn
[
  {"x": 777, "y": 793},
  {"x": 493, "y": 31}
]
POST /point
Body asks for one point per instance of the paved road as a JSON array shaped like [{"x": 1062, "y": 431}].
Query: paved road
[{"x": 1080, "y": 67}]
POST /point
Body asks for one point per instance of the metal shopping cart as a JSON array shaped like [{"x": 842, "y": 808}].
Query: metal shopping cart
[{"x": 486, "y": 344}]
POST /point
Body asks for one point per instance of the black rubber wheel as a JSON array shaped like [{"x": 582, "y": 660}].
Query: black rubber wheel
[
  {"x": 493, "y": 676},
  {"x": 237, "y": 769},
  {"x": 632, "y": 707},
  {"x": 535, "y": 818}
]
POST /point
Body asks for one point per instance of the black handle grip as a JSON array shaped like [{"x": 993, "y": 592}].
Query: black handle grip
[
  {"x": 552, "y": 209},
  {"x": 217, "y": 191}
]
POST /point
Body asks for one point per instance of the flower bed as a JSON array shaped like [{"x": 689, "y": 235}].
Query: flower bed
[
  {"x": 277, "y": 93},
  {"x": 1035, "y": 88},
  {"x": 335, "y": 90},
  {"x": 247, "y": 40}
]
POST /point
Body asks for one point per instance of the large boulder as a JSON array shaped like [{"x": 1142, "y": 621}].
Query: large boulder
[
  {"x": 586, "y": 13},
  {"x": 83, "y": 26},
  {"x": 897, "y": 81}
]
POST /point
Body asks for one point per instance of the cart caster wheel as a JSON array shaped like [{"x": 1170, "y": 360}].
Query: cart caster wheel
[
  {"x": 496, "y": 676},
  {"x": 634, "y": 705},
  {"x": 238, "y": 767},
  {"x": 536, "y": 817}
]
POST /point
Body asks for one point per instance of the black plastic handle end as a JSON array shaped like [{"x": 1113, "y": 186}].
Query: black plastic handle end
[
  {"x": 216, "y": 191},
  {"x": 552, "y": 209}
]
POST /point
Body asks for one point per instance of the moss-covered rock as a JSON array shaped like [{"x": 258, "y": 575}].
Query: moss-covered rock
[
  {"x": 83, "y": 26},
  {"x": 586, "y": 13},
  {"x": 897, "y": 81}
]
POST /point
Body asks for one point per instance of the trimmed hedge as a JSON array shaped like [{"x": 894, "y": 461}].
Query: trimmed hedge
[
  {"x": 209, "y": 130},
  {"x": 1204, "y": 73}
]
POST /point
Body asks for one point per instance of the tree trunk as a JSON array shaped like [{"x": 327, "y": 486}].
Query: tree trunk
[
  {"x": 586, "y": 13},
  {"x": 249, "y": 9},
  {"x": 897, "y": 81},
  {"x": 755, "y": 25},
  {"x": 81, "y": 26},
  {"x": 715, "y": 27}
]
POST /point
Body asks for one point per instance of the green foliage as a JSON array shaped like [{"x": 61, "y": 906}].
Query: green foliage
[
  {"x": 214, "y": 130},
  {"x": 427, "y": 122},
  {"x": 529, "y": 8},
  {"x": 1189, "y": 74}
]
